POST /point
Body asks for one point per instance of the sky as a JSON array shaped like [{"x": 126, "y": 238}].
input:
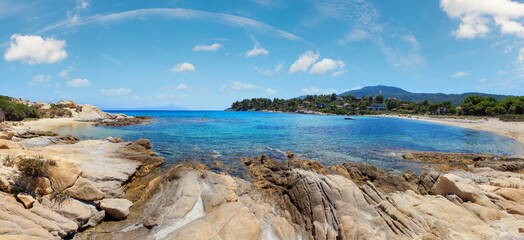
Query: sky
[{"x": 204, "y": 55}]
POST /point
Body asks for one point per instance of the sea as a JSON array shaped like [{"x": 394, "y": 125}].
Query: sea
[{"x": 222, "y": 139}]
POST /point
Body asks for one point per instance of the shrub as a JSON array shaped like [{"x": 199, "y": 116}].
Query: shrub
[
  {"x": 8, "y": 161},
  {"x": 34, "y": 167},
  {"x": 59, "y": 195},
  {"x": 16, "y": 111}
]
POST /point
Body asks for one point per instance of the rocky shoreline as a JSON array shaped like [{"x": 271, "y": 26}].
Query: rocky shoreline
[{"x": 56, "y": 187}]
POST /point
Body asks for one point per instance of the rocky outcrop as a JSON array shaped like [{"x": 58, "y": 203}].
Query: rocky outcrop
[
  {"x": 60, "y": 200},
  {"x": 35, "y": 133}
]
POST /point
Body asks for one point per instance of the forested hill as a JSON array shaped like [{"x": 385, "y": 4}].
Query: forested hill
[{"x": 401, "y": 94}]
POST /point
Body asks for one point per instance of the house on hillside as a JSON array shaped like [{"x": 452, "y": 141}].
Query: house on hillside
[
  {"x": 442, "y": 110},
  {"x": 339, "y": 106},
  {"x": 377, "y": 107},
  {"x": 320, "y": 105},
  {"x": 404, "y": 106},
  {"x": 306, "y": 102},
  {"x": 340, "y": 99},
  {"x": 347, "y": 105}
]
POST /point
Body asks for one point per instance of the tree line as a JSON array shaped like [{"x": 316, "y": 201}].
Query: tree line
[{"x": 349, "y": 104}]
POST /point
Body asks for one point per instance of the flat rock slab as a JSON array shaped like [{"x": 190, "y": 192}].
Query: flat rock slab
[{"x": 116, "y": 208}]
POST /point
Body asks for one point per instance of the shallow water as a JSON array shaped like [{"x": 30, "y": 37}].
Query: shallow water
[{"x": 226, "y": 137}]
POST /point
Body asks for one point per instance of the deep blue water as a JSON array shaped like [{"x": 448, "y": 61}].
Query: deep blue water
[{"x": 226, "y": 137}]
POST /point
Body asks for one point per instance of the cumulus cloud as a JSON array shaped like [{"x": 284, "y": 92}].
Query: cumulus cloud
[
  {"x": 460, "y": 74},
  {"x": 78, "y": 82},
  {"x": 257, "y": 51},
  {"x": 182, "y": 67},
  {"x": 304, "y": 61},
  {"x": 116, "y": 92},
  {"x": 64, "y": 74},
  {"x": 238, "y": 86},
  {"x": 326, "y": 65},
  {"x": 40, "y": 80},
  {"x": 317, "y": 91},
  {"x": 34, "y": 49},
  {"x": 213, "y": 47},
  {"x": 477, "y": 16}
]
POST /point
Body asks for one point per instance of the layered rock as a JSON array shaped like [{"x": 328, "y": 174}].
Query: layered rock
[{"x": 59, "y": 201}]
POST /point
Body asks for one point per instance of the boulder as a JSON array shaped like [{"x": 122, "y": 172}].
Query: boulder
[
  {"x": 64, "y": 173},
  {"x": 6, "y": 144},
  {"x": 115, "y": 139},
  {"x": 66, "y": 104},
  {"x": 453, "y": 184},
  {"x": 5, "y": 185},
  {"x": 70, "y": 208},
  {"x": 36, "y": 133},
  {"x": 144, "y": 143},
  {"x": 26, "y": 199},
  {"x": 36, "y": 185},
  {"x": 86, "y": 190},
  {"x": 116, "y": 208},
  {"x": 6, "y": 135}
]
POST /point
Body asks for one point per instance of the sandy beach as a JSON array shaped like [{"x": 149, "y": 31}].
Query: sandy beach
[
  {"x": 48, "y": 124},
  {"x": 513, "y": 130}
]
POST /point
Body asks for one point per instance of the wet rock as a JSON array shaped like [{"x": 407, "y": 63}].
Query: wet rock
[
  {"x": 67, "y": 139},
  {"x": 507, "y": 165},
  {"x": 144, "y": 143},
  {"x": 385, "y": 181},
  {"x": 116, "y": 208},
  {"x": 36, "y": 133},
  {"x": 438, "y": 157},
  {"x": 26, "y": 199}
]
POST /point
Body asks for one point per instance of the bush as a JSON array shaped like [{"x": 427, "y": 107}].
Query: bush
[
  {"x": 8, "y": 161},
  {"x": 34, "y": 167},
  {"x": 59, "y": 195},
  {"x": 16, "y": 111}
]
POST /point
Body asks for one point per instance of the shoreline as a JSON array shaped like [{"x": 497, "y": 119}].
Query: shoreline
[{"x": 514, "y": 130}]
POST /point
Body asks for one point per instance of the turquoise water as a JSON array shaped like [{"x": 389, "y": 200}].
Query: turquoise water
[{"x": 226, "y": 137}]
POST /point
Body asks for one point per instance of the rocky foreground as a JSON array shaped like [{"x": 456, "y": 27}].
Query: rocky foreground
[{"x": 301, "y": 199}]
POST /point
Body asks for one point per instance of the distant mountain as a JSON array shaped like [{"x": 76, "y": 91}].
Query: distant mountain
[
  {"x": 401, "y": 94},
  {"x": 165, "y": 108}
]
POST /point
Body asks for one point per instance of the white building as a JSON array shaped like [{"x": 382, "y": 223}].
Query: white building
[{"x": 377, "y": 107}]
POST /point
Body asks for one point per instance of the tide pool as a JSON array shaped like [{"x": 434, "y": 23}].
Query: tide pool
[{"x": 226, "y": 137}]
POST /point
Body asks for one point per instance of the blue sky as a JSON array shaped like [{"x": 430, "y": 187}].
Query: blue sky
[{"x": 207, "y": 54}]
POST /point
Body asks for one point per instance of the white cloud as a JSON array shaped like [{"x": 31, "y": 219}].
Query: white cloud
[
  {"x": 213, "y": 47},
  {"x": 483, "y": 80},
  {"x": 257, "y": 51},
  {"x": 181, "y": 87},
  {"x": 355, "y": 35},
  {"x": 40, "y": 80},
  {"x": 317, "y": 91},
  {"x": 238, "y": 86},
  {"x": 78, "y": 82},
  {"x": 58, "y": 86},
  {"x": 64, "y": 74},
  {"x": 304, "y": 61},
  {"x": 34, "y": 49},
  {"x": 460, "y": 74},
  {"x": 326, "y": 65},
  {"x": 270, "y": 91},
  {"x": 476, "y": 16},
  {"x": 116, "y": 92},
  {"x": 398, "y": 58},
  {"x": 181, "y": 67}
]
